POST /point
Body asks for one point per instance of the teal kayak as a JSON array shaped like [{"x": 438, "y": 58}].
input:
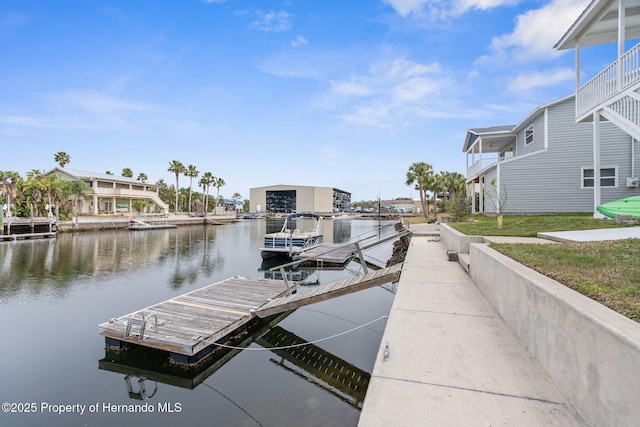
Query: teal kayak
[{"x": 628, "y": 206}]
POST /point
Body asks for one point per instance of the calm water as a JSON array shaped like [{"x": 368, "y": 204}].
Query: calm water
[{"x": 54, "y": 293}]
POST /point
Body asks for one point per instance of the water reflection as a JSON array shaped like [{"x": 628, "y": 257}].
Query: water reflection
[
  {"x": 143, "y": 366},
  {"x": 56, "y": 292},
  {"x": 191, "y": 251}
]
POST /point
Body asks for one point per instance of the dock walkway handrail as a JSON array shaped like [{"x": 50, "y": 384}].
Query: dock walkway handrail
[{"x": 356, "y": 244}]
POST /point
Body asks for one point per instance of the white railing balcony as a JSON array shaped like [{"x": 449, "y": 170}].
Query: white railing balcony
[
  {"x": 115, "y": 192},
  {"x": 481, "y": 164},
  {"x": 617, "y": 77}
]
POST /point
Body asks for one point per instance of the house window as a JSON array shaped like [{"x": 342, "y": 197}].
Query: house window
[
  {"x": 528, "y": 135},
  {"x": 608, "y": 177}
]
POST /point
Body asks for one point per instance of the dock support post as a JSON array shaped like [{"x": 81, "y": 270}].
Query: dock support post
[
  {"x": 362, "y": 261},
  {"x": 286, "y": 282}
]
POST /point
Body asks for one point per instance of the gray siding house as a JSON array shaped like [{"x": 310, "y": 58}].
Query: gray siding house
[
  {"x": 612, "y": 95},
  {"x": 544, "y": 164}
]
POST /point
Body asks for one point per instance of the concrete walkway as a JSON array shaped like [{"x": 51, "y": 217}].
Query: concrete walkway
[
  {"x": 593, "y": 235},
  {"x": 452, "y": 360}
]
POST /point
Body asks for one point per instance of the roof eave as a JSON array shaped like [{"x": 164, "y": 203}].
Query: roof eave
[{"x": 575, "y": 33}]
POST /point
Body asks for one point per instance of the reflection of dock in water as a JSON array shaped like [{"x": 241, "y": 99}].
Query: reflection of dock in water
[
  {"x": 336, "y": 375},
  {"x": 192, "y": 325},
  {"x": 143, "y": 368},
  {"x": 148, "y": 364}
]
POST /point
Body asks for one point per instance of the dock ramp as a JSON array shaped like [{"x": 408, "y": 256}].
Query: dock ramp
[
  {"x": 331, "y": 290},
  {"x": 340, "y": 253}
]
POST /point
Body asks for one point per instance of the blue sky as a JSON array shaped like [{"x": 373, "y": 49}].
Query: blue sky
[{"x": 335, "y": 93}]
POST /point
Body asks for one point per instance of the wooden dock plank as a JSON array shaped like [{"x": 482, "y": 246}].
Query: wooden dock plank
[
  {"x": 322, "y": 293},
  {"x": 189, "y": 323},
  {"x": 206, "y": 314}
]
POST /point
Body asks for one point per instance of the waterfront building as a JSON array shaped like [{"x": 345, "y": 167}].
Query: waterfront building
[
  {"x": 611, "y": 97},
  {"x": 299, "y": 198},
  {"x": 544, "y": 164},
  {"x": 109, "y": 194}
]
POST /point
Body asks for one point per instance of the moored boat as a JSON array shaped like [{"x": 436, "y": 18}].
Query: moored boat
[
  {"x": 628, "y": 206},
  {"x": 292, "y": 242}
]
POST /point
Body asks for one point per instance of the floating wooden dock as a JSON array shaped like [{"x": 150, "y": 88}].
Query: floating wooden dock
[
  {"x": 151, "y": 364},
  {"x": 189, "y": 326},
  {"x": 27, "y": 236}
]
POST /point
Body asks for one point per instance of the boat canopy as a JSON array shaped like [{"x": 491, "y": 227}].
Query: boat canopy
[{"x": 299, "y": 215}]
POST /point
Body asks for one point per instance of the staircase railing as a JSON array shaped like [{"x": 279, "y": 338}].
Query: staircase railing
[
  {"x": 614, "y": 79},
  {"x": 629, "y": 108}
]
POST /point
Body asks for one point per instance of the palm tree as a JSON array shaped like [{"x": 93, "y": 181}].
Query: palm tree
[
  {"x": 236, "y": 197},
  {"x": 142, "y": 177},
  {"x": 453, "y": 183},
  {"x": 77, "y": 189},
  {"x": 206, "y": 181},
  {"x": 176, "y": 167},
  {"x": 62, "y": 158},
  {"x": 33, "y": 188},
  {"x": 140, "y": 206},
  {"x": 127, "y": 173},
  {"x": 419, "y": 174},
  {"x": 52, "y": 186},
  {"x": 218, "y": 182},
  {"x": 436, "y": 183},
  {"x": 191, "y": 172},
  {"x": 9, "y": 181}
]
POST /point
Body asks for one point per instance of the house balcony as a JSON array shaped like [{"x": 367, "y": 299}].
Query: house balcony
[
  {"x": 610, "y": 85},
  {"x": 481, "y": 165},
  {"x": 124, "y": 192}
]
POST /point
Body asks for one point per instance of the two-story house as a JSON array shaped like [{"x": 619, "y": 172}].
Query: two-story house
[
  {"x": 112, "y": 193},
  {"x": 613, "y": 95},
  {"x": 544, "y": 164}
]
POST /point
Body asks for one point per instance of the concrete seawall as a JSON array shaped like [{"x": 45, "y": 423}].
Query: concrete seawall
[
  {"x": 96, "y": 223},
  {"x": 590, "y": 352}
]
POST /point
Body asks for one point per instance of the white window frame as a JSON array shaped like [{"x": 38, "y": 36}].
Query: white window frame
[
  {"x": 615, "y": 177},
  {"x": 528, "y": 135}
]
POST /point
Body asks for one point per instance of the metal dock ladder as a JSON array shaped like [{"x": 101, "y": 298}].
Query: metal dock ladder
[{"x": 134, "y": 322}]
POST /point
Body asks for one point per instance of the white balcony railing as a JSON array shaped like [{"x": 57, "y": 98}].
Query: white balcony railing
[
  {"x": 116, "y": 192},
  {"x": 481, "y": 164},
  {"x": 614, "y": 79}
]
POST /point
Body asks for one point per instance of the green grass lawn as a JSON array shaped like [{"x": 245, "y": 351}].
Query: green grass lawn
[
  {"x": 608, "y": 272},
  {"x": 530, "y": 226}
]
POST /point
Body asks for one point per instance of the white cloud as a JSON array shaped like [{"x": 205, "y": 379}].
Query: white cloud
[
  {"x": 537, "y": 31},
  {"x": 97, "y": 102},
  {"x": 27, "y": 121},
  {"x": 538, "y": 79},
  {"x": 392, "y": 92},
  {"x": 271, "y": 22},
  {"x": 443, "y": 9},
  {"x": 463, "y": 6},
  {"x": 299, "y": 41},
  {"x": 351, "y": 89},
  {"x": 407, "y": 7}
]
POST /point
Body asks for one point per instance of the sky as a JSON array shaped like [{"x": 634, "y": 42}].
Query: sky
[{"x": 330, "y": 93}]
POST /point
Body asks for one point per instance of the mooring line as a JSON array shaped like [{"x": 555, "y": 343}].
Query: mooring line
[{"x": 296, "y": 345}]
